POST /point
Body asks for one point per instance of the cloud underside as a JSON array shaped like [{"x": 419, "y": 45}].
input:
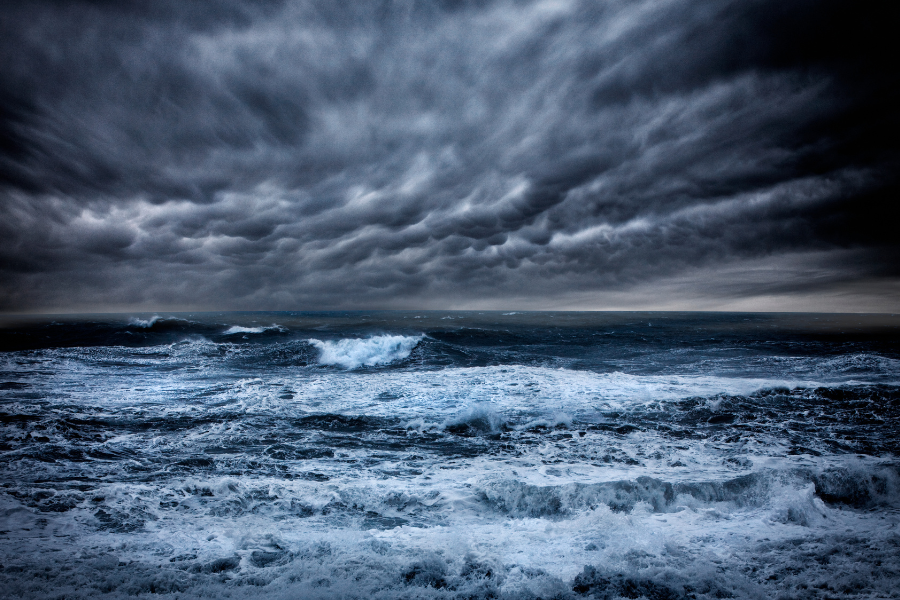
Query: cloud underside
[{"x": 553, "y": 154}]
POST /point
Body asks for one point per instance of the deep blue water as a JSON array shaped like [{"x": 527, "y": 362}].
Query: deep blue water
[{"x": 450, "y": 455}]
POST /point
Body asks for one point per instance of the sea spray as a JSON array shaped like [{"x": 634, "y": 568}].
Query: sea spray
[
  {"x": 354, "y": 353},
  {"x": 414, "y": 455}
]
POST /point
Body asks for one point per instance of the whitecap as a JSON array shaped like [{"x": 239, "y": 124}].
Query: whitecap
[
  {"x": 482, "y": 417},
  {"x": 238, "y": 329},
  {"x": 144, "y": 323},
  {"x": 376, "y": 350}
]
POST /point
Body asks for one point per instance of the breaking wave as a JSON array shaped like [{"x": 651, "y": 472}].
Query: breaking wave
[
  {"x": 238, "y": 329},
  {"x": 376, "y": 350},
  {"x": 794, "y": 495},
  {"x": 144, "y": 323},
  {"x": 478, "y": 420},
  {"x": 538, "y": 456}
]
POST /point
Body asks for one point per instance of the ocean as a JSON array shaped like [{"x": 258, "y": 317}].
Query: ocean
[{"x": 430, "y": 454}]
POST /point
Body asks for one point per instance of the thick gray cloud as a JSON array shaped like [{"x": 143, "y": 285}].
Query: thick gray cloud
[{"x": 554, "y": 153}]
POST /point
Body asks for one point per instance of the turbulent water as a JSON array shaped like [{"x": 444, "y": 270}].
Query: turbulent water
[{"x": 450, "y": 455}]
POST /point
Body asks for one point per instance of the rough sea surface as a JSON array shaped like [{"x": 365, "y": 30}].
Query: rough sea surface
[{"x": 471, "y": 455}]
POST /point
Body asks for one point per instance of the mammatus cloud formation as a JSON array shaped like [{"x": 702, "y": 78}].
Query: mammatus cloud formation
[{"x": 535, "y": 154}]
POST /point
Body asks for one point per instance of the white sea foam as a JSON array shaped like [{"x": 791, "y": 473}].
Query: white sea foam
[
  {"x": 376, "y": 350},
  {"x": 238, "y": 329},
  {"x": 431, "y": 520},
  {"x": 501, "y": 481},
  {"x": 481, "y": 417}
]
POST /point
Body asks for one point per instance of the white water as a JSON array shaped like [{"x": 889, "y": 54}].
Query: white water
[
  {"x": 144, "y": 323},
  {"x": 239, "y": 329},
  {"x": 480, "y": 482},
  {"x": 376, "y": 350}
]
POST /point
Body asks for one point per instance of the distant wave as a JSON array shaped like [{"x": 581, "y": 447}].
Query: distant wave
[
  {"x": 238, "y": 329},
  {"x": 156, "y": 321},
  {"x": 376, "y": 350},
  {"x": 144, "y": 323}
]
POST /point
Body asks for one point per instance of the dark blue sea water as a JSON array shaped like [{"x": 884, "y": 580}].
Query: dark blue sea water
[{"x": 450, "y": 455}]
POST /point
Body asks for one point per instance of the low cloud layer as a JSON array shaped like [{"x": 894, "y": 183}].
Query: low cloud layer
[{"x": 548, "y": 154}]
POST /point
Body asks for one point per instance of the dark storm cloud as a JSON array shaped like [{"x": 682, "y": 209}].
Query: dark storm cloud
[{"x": 310, "y": 154}]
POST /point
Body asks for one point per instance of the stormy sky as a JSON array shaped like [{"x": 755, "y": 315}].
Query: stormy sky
[{"x": 290, "y": 155}]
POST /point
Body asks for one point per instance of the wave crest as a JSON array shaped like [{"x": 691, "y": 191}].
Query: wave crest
[
  {"x": 376, "y": 350},
  {"x": 479, "y": 420},
  {"x": 144, "y": 323},
  {"x": 238, "y": 329}
]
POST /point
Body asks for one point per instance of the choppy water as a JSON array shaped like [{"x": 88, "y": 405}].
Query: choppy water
[{"x": 450, "y": 455}]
